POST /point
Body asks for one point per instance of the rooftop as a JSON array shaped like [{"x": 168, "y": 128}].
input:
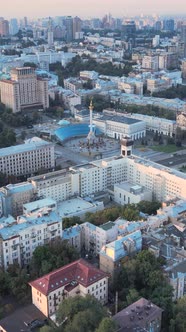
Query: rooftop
[
  {"x": 39, "y": 204},
  {"x": 107, "y": 226},
  {"x": 137, "y": 315},
  {"x": 80, "y": 271},
  {"x": 23, "y": 223},
  {"x": 29, "y": 146},
  {"x": 117, "y": 118},
  {"x": 74, "y": 206},
  {"x": 17, "y": 321}
]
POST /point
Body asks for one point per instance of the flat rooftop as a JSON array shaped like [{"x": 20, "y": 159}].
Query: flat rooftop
[
  {"x": 20, "y": 148},
  {"x": 16, "y": 321},
  {"x": 74, "y": 206},
  {"x": 137, "y": 315},
  {"x": 39, "y": 204},
  {"x": 119, "y": 118}
]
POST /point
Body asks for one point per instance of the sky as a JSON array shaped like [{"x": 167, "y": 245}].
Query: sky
[{"x": 89, "y": 8}]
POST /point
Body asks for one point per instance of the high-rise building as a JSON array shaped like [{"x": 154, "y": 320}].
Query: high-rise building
[
  {"x": 4, "y": 27},
  {"x": 183, "y": 37},
  {"x": 128, "y": 32},
  {"x": 76, "y": 27},
  {"x": 13, "y": 26},
  {"x": 50, "y": 33},
  {"x": 69, "y": 28},
  {"x": 24, "y": 90},
  {"x": 168, "y": 25}
]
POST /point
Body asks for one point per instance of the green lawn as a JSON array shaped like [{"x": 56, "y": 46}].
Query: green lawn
[{"x": 171, "y": 148}]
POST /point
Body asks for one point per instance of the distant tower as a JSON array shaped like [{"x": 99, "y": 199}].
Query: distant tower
[
  {"x": 126, "y": 146},
  {"x": 91, "y": 135},
  {"x": 50, "y": 33}
]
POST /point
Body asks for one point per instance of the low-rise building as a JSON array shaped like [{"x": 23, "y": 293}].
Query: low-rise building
[
  {"x": 127, "y": 193},
  {"x": 158, "y": 84},
  {"x": 141, "y": 315},
  {"x": 95, "y": 237},
  {"x": 112, "y": 253},
  {"x": 177, "y": 279},
  {"x": 73, "y": 236},
  {"x": 77, "y": 278},
  {"x": 119, "y": 125}
]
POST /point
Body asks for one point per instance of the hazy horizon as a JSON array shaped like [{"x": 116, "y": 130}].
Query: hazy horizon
[{"x": 89, "y": 8}]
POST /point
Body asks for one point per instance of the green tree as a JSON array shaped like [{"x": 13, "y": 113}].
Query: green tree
[
  {"x": 178, "y": 322},
  {"x": 106, "y": 325},
  {"x": 80, "y": 314},
  {"x": 51, "y": 256},
  {"x": 149, "y": 207}
]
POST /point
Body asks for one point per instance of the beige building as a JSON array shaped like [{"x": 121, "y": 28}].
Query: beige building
[
  {"x": 158, "y": 84},
  {"x": 77, "y": 278},
  {"x": 181, "y": 120},
  {"x": 24, "y": 90},
  {"x": 150, "y": 62}
]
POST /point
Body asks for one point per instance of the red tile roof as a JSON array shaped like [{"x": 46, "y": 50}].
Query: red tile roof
[{"x": 80, "y": 271}]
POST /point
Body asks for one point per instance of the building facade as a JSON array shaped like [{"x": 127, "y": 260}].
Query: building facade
[
  {"x": 19, "y": 238},
  {"x": 112, "y": 253},
  {"x": 24, "y": 90},
  {"x": 28, "y": 158},
  {"x": 77, "y": 278}
]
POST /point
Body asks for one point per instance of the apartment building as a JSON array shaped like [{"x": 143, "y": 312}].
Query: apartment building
[
  {"x": 177, "y": 278},
  {"x": 142, "y": 316},
  {"x": 19, "y": 238},
  {"x": 112, "y": 253},
  {"x": 181, "y": 120},
  {"x": 93, "y": 238},
  {"x": 27, "y": 158},
  {"x": 13, "y": 196},
  {"x": 158, "y": 84},
  {"x": 24, "y": 90},
  {"x": 59, "y": 185},
  {"x": 150, "y": 62},
  {"x": 77, "y": 278}
]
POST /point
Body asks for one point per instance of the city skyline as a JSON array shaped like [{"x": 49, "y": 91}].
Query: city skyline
[{"x": 90, "y": 8}]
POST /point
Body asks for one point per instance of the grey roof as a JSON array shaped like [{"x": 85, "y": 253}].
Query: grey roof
[
  {"x": 117, "y": 118},
  {"x": 22, "y": 148}
]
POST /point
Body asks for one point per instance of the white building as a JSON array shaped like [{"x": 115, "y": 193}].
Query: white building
[
  {"x": 28, "y": 158},
  {"x": 177, "y": 279},
  {"x": 93, "y": 238},
  {"x": 155, "y": 124},
  {"x": 126, "y": 193},
  {"x": 78, "y": 277},
  {"x": 13, "y": 196},
  {"x": 24, "y": 90},
  {"x": 19, "y": 238},
  {"x": 119, "y": 125}
]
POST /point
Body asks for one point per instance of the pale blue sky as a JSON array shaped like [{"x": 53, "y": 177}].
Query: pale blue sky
[{"x": 89, "y": 8}]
